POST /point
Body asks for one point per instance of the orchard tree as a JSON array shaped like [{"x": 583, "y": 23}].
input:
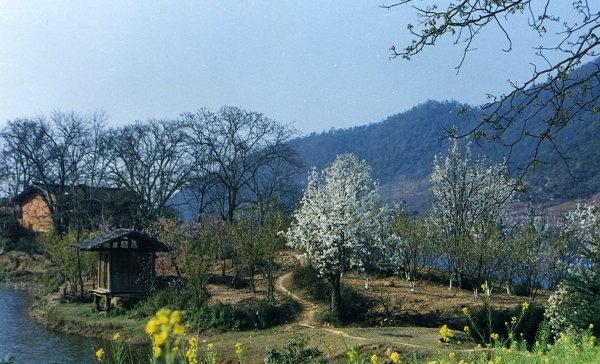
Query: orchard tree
[
  {"x": 339, "y": 221},
  {"x": 472, "y": 201},
  {"x": 410, "y": 246},
  {"x": 567, "y": 35},
  {"x": 191, "y": 249},
  {"x": 256, "y": 239},
  {"x": 576, "y": 301}
]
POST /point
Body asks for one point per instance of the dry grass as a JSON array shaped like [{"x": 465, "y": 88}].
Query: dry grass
[{"x": 415, "y": 318}]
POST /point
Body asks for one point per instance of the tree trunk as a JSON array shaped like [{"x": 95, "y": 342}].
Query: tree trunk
[
  {"x": 336, "y": 295},
  {"x": 270, "y": 286}
]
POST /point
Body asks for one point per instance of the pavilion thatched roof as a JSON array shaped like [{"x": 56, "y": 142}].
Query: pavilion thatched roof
[{"x": 131, "y": 239}]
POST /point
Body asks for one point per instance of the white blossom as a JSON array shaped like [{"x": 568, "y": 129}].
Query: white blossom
[{"x": 339, "y": 220}]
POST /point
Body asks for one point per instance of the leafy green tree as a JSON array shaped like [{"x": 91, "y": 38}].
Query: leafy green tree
[
  {"x": 67, "y": 262},
  {"x": 257, "y": 241},
  {"x": 191, "y": 251}
]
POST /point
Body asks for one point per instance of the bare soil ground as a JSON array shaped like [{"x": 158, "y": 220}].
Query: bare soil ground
[
  {"x": 431, "y": 304},
  {"x": 412, "y": 322}
]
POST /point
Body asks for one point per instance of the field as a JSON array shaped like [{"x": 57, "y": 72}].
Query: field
[{"x": 398, "y": 320}]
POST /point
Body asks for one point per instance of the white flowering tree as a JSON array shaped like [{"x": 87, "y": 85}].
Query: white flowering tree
[
  {"x": 472, "y": 201},
  {"x": 576, "y": 302},
  {"x": 339, "y": 221}
]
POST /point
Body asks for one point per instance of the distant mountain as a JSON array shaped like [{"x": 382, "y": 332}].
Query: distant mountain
[{"x": 401, "y": 149}]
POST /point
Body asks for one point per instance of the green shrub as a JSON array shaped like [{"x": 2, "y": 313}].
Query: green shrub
[
  {"x": 294, "y": 352},
  {"x": 246, "y": 315},
  {"x": 160, "y": 298},
  {"x": 306, "y": 277},
  {"x": 528, "y": 325}
]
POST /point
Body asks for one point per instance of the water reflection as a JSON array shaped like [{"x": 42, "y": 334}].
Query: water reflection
[{"x": 29, "y": 342}]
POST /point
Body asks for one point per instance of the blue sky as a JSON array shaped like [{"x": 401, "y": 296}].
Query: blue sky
[{"x": 315, "y": 63}]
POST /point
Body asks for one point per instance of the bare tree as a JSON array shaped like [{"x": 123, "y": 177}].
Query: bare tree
[
  {"x": 51, "y": 154},
  {"x": 554, "y": 93},
  {"x": 149, "y": 161},
  {"x": 243, "y": 154}
]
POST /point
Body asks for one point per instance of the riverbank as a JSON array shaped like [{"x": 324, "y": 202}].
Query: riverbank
[{"x": 25, "y": 272}]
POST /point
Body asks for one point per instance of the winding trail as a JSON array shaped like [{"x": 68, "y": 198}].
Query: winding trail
[{"x": 309, "y": 309}]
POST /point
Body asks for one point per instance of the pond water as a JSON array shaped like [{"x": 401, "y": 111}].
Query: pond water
[{"x": 30, "y": 343}]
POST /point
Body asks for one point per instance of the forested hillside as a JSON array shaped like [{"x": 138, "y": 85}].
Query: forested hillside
[{"x": 401, "y": 148}]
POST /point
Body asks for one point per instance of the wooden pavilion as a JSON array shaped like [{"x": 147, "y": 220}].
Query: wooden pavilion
[{"x": 125, "y": 263}]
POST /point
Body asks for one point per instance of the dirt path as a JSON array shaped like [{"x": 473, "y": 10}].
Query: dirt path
[{"x": 309, "y": 309}]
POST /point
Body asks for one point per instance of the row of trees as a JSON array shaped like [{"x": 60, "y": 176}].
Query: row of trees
[
  {"x": 238, "y": 163},
  {"x": 252, "y": 241},
  {"x": 224, "y": 160},
  {"x": 474, "y": 231}
]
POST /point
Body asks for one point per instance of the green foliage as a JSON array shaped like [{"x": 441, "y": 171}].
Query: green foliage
[
  {"x": 247, "y": 315},
  {"x": 66, "y": 261},
  {"x": 576, "y": 302},
  {"x": 7, "y": 360},
  {"x": 161, "y": 298},
  {"x": 522, "y": 323},
  {"x": 191, "y": 249},
  {"x": 295, "y": 351},
  {"x": 306, "y": 277}
]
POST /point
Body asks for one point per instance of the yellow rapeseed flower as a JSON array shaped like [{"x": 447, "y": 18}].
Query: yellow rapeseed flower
[
  {"x": 116, "y": 337},
  {"x": 163, "y": 316},
  {"x": 467, "y": 329},
  {"x": 152, "y": 326},
  {"x": 178, "y": 329},
  {"x": 160, "y": 338},
  {"x": 395, "y": 357},
  {"x": 465, "y": 310},
  {"x": 374, "y": 359},
  {"x": 238, "y": 349},
  {"x": 513, "y": 320},
  {"x": 157, "y": 351},
  {"x": 350, "y": 355},
  {"x": 191, "y": 351},
  {"x": 495, "y": 336},
  {"x": 451, "y": 355},
  {"x": 175, "y": 317},
  {"x": 100, "y": 355},
  {"x": 591, "y": 326},
  {"x": 525, "y": 305},
  {"x": 446, "y": 333},
  {"x": 210, "y": 346}
]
